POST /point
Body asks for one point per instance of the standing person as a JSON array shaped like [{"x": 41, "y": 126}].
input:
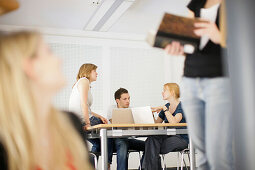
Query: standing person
[
  {"x": 81, "y": 100},
  {"x": 122, "y": 145},
  {"x": 206, "y": 90},
  {"x": 33, "y": 134},
  {"x": 170, "y": 113}
]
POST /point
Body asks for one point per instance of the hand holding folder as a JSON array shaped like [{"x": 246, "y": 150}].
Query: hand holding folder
[{"x": 176, "y": 28}]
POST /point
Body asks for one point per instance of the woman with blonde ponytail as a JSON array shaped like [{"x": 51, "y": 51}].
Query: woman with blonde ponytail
[{"x": 34, "y": 135}]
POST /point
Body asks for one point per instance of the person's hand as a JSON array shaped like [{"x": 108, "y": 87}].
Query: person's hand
[
  {"x": 174, "y": 48},
  {"x": 156, "y": 109},
  {"x": 104, "y": 120},
  {"x": 153, "y": 109},
  {"x": 86, "y": 126},
  {"x": 165, "y": 108},
  {"x": 209, "y": 29}
]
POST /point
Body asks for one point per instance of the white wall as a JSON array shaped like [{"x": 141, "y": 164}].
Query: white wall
[{"x": 130, "y": 64}]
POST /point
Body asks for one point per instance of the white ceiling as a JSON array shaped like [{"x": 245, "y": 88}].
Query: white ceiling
[{"x": 142, "y": 16}]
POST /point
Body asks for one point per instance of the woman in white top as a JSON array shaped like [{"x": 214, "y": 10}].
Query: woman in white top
[
  {"x": 81, "y": 101},
  {"x": 81, "y": 97}
]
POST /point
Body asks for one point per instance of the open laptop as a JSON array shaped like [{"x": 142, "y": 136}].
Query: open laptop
[
  {"x": 122, "y": 116},
  {"x": 137, "y": 115}
]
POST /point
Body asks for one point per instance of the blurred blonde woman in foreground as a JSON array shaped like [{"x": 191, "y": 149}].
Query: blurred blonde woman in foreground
[{"x": 34, "y": 135}]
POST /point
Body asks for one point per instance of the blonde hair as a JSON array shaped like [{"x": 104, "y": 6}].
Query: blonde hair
[
  {"x": 18, "y": 118},
  {"x": 173, "y": 87},
  {"x": 85, "y": 71}
]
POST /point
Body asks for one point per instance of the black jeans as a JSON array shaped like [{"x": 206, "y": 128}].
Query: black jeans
[{"x": 155, "y": 145}]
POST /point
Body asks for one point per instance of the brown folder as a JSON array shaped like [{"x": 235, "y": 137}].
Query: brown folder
[{"x": 175, "y": 28}]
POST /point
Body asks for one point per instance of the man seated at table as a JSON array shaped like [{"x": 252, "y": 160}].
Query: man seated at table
[{"x": 122, "y": 145}]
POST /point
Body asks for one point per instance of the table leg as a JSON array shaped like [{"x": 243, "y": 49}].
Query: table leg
[
  {"x": 192, "y": 155},
  {"x": 104, "y": 152}
]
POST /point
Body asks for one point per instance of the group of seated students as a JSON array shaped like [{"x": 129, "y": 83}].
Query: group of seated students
[
  {"x": 33, "y": 132},
  {"x": 80, "y": 103}
]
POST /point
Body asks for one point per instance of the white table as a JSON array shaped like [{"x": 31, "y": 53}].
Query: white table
[{"x": 104, "y": 131}]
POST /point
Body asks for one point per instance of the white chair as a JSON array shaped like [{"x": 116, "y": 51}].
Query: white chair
[
  {"x": 184, "y": 151},
  {"x": 180, "y": 156},
  {"x": 96, "y": 155}
]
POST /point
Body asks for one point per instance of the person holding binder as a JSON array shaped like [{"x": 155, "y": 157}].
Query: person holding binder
[{"x": 206, "y": 90}]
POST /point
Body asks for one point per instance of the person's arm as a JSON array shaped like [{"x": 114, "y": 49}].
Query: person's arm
[
  {"x": 211, "y": 30},
  {"x": 160, "y": 117},
  {"x": 104, "y": 120},
  {"x": 158, "y": 120},
  {"x": 157, "y": 109},
  {"x": 83, "y": 88},
  {"x": 109, "y": 113},
  {"x": 172, "y": 119},
  {"x": 175, "y": 48}
]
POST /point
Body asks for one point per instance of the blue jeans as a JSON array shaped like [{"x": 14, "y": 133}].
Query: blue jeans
[
  {"x": 207, "y": 107},
  {"x": 122, "y": 145}
]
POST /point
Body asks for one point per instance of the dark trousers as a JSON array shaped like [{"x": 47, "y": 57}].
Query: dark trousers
[
  {"x": 155, "y": 145},
  {"x": 96, "y": 144}
]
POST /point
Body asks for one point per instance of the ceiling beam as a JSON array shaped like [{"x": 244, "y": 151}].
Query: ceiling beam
[{"x": 106, "y": 14}]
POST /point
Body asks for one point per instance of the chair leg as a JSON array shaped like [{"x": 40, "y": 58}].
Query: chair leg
[
  {"x": 178, "y": 157},
  {"x": 188, "y": 158},
  {"x": 185, "y": 163},
  {"x": 164, "y": 163},
  {"x": 161, "y": 159},
  {"x": 96, "y": 164},
  {"x": 140, "y": 165},
  {"x": 95, "y": 160},
  {"x": 182, "y": 155}
]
